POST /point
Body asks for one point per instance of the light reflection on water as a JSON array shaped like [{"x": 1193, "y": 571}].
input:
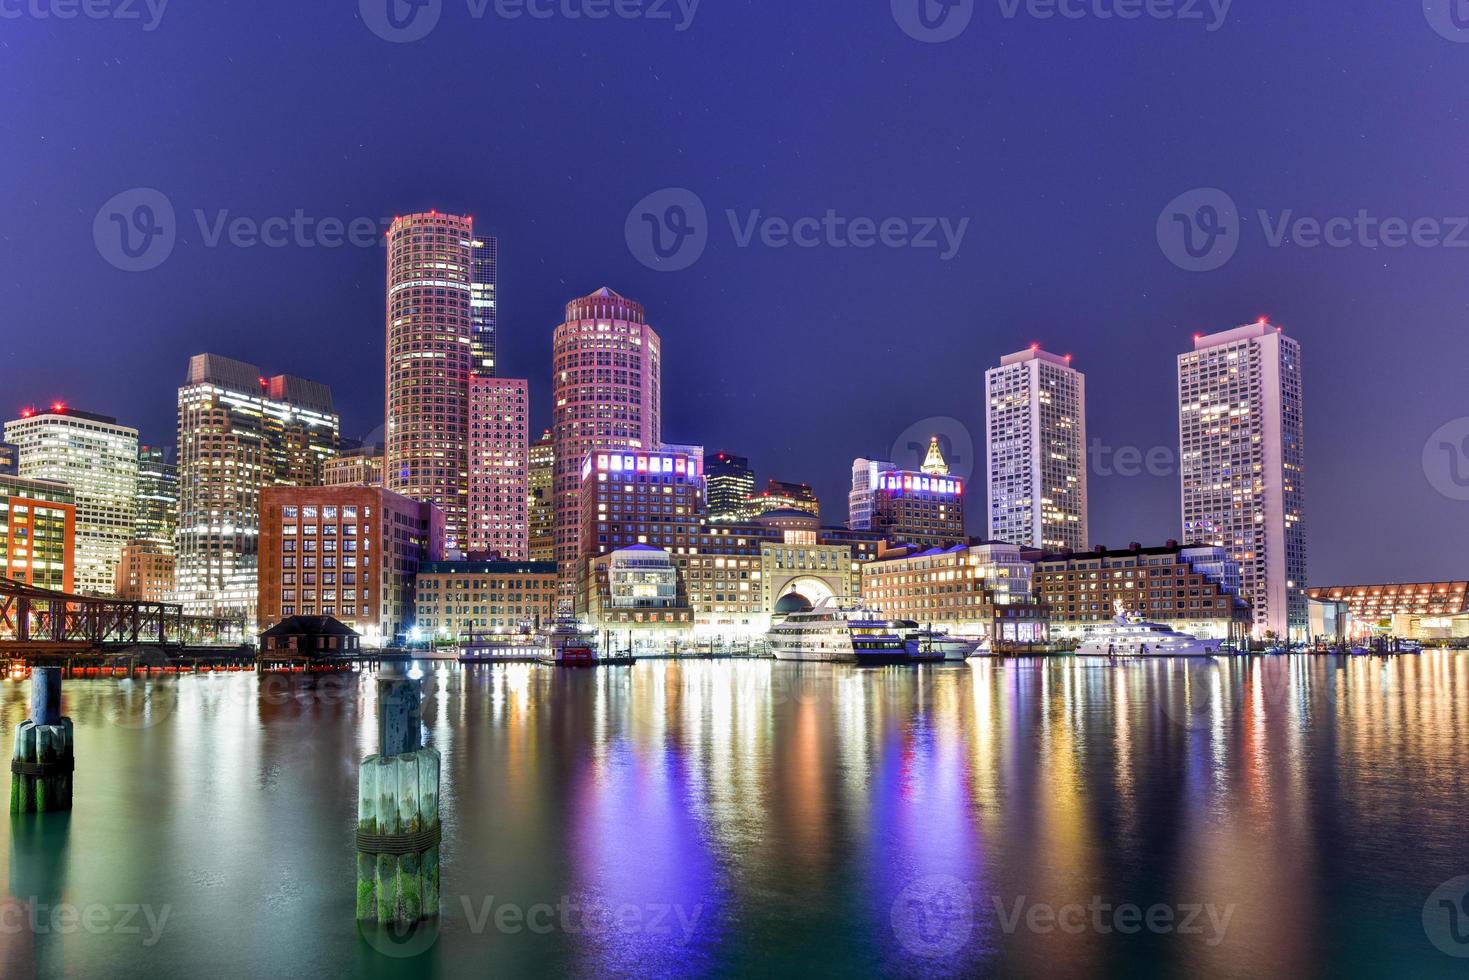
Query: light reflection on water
[{"x": 753, "y": 818}]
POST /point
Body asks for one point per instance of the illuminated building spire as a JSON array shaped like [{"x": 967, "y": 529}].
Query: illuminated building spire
[{"x": 934, "y": 465}]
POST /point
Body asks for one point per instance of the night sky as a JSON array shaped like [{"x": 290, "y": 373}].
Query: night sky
[{"x": 1061, "y": 141}]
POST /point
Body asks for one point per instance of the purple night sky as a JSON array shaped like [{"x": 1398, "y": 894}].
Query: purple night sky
[{"x": 1061, "y": 142}]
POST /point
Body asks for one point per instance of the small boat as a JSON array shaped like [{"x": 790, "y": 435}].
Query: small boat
[
  {"x": 938, "y": 645},
  {"x": 1130, "y": 636},
  {"x": 567, "y": 644}
]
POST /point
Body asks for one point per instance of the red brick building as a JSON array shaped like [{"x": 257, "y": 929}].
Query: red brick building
[{"x": 347, "y": 552}]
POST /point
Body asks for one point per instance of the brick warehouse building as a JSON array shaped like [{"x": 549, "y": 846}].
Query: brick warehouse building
[{"x": 347, "y": 552}]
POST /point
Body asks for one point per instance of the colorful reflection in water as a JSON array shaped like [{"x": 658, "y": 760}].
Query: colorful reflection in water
[{"x": 753, "y": 818}]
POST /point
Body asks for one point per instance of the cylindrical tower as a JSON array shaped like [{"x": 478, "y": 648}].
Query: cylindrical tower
[
  {"x": 607, "y": 393},
  {"x": 430, "y": 328}
]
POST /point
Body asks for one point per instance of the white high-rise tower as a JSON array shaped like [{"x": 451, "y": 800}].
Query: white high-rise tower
[
  {"x": 1242, "y": 442},
  {"x": 1036, "y": 468}
]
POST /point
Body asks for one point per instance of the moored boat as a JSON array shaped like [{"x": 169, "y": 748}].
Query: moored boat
[{"x": 841, "y": 631}]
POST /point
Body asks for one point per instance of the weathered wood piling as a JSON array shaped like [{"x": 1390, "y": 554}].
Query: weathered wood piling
[
  {"x": 398, "y": 827},
  {"x": 43, "y": 760}
]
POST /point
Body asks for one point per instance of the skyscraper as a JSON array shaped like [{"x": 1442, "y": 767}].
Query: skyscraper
[
  {"x": 156, "y": 512},
  {"x": 1242, "y": 462},
  {"x": 607, "y": 394},
  {"x": 430, "y": 326},
  {"x": 864, "y": 487},
  {"x": 484, "y": 281},
  {"x": 38, "y": 521},
  {"x": 542, "y": 501},
  {"x": 729, "y": 482},
  {"x": 239, "y": 432},
  {"x": 499, "y": 467},
  {"x": 1035, "y": 405},
  {"x": 98, "y": 459}
]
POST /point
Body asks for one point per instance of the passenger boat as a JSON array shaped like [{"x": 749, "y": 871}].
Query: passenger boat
[
  {"x": 1129, "y": 635},
  {"x": 567, "y": 644},
  {"x": 841, "y": 631}
]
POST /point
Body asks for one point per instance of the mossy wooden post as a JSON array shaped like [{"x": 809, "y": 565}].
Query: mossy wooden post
[
  {"x": 398, "y": 812},
  {"x": 42, "y": 761}
]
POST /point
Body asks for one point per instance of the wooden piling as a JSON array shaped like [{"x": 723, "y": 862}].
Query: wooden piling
[
  {"x": 43, "y": 757},
  {"x": 398, "y": 813}
]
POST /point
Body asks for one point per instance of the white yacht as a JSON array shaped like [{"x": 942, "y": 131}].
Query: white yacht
[
  {"x": 1130, "y": 636},
  {"x": 841, "y": 631}
]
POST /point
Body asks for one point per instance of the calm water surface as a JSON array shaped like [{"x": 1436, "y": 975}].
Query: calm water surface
[{"x": 1268, "y": 817}]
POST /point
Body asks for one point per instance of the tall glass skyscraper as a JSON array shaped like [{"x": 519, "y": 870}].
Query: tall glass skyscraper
[
  {"x": 729, "y": 483},
  {"x": 1242, "y": 442},
  {"x": 430, "y": 327},
  {"x": 156, "y": 512},
  {"x": 483, "y": 304},
  {"x": 1035, "y": 411}
]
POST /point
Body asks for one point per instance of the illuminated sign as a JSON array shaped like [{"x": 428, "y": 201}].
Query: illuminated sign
[
  {"x": 656, "y": 464},
  {"x": 901, "y": 482}
]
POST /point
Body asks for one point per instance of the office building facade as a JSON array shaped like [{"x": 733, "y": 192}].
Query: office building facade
[
  {"x": 238, "y": 433},
  {"x": 98, "y": 459},
  {"x": 541, "y": 499},
  {"x": 38, "y": 522},
  {"x": 729, "y": 483},
  {"x": 499, "y": 468}
]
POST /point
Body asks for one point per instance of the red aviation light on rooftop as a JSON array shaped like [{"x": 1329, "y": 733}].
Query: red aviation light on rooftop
[
  {"x": 58, "y": 406},
  {"x": 1035, "y": 346},
  {"x": 27, "y": 412}
]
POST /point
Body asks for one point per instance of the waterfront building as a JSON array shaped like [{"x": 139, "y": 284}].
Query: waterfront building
[
  {"x": 1416, "y": 611},
  {"x": 38, "y": 522},
  {"x": 156, "y": 506},
  {"x": 640, "y": 498},
  {"x": 607, "y": 395},
  {"x": 541, "y": 503},
  {"x": 779, "y": 495},
  {"x": 1035, "y": 405},
  {"x": 98, "y": 459},
  {"x": 983, "y": 590},
  {"x": 924, "y": 508},
  {"x": 347, "y": 552},
  {"x": 430, "y": 356},
  {"x": 7, "y": 459},
  {"x": 145, "y": 573},
  {"x": 484, "y": 282},
  {"x": 730, "y": 483},
  {"x": 798, "y": 561},
  {"x": 238, "y": 433},
  {"x": 1242, "y": 456},
  {"x": 635, "y": 594},
  {"x": 499, "y": 468},
  {"x": 865, "y": 473},
  {"x": 457, "y": 600},
  {"x": 1194, "y": 589},
  {"x": 361, "y": 466}
]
